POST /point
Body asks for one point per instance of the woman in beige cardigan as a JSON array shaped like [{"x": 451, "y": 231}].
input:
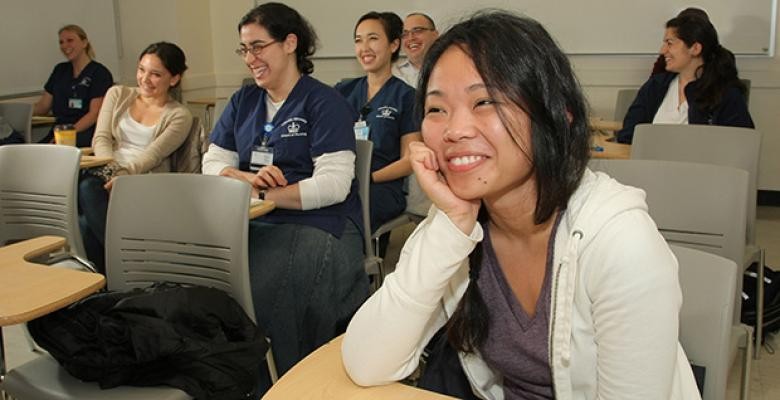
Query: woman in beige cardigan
[{"x": 140, "y": 127}]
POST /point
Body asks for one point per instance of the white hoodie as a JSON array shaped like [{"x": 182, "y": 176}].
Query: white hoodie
[{"x": 615, "y": 303}]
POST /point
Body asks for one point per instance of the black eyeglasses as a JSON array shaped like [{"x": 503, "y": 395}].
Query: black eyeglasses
[
  {"x": 416, "y": 31},
  {"x": 256, "y": 49}
]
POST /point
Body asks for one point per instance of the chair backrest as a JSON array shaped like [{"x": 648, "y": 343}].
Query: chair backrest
[
  {"x": 219, "y": 108},
  {"x": 187, "y": 158},
  {"x": 708, "y": 284},
  {"x": 364, "y": 150},
  {"x": 693, "y": 205},
  {"x": 183, "y": 228},
  {"x": 624, "y": 99},
  {"x": 38, "y": 187},
  {"x": 417, "y": 202},
  {"x": 19, "y": 116},
  {"x": 719, "y": 145},
  {"x": 700, "y": 206}
]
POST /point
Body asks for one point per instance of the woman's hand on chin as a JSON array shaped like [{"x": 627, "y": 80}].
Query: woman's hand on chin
[{"x": 462, "y": 213}]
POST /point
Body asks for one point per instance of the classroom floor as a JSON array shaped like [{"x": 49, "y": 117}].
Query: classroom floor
[{"x": 765, "y": 372}]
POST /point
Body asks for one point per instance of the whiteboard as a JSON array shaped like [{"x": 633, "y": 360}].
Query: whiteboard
[
  {"x": 30, "y": 43},
  {"x": 580, "y": 26}
]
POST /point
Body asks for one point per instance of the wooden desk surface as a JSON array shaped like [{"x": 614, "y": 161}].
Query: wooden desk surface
[
  {"x": 32, "y": 290},
  {"x": 93, "y": 161},
  {"x": 609, "y": 150},
  {"x": 206, "y": 101},
  {"x": 599, "y": 124},
  {"x": 321, "y": 376},
  {"x": 38, "y": 120},
  {"x": 261, "y": 208}
]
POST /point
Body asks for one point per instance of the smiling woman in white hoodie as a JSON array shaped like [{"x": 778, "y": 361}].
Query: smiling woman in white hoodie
[{"x": 518, "y": 259}]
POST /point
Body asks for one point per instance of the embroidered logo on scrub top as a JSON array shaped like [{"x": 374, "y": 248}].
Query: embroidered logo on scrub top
[
  {"x": 296, "y": 126},
  {"x": 86, "y": 81},
  {"x": 386, "y": 112}
]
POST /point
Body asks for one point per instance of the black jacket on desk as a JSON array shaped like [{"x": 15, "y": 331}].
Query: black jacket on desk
[
  {"x": 194, "y": 338},
  {"x": 732, "y": 110}
]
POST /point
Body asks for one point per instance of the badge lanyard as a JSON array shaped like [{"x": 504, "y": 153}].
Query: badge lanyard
[
  {"x": 263, "y": 155},
  {"x": 74, "y": 102},
  {"x": 361, "y": 127}
]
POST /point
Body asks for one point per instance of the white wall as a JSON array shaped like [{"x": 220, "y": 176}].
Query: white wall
[{"x": 206, "y": 29}]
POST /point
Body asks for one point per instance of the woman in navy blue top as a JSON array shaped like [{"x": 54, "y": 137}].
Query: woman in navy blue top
[
  {"x": 75, "y": 89},
  {"x": 290, "y": 137},
  {"x": 385, "y": 105},
  {"x": 700, "y": 85}
]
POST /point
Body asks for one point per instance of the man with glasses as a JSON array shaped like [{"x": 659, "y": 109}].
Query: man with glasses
[
  {"x": 418, "y": 36},
  {"x": 419, "y": 33}
]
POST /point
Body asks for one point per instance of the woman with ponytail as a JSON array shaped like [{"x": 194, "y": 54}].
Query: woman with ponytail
[
  {"x": 518, "y": 259},
  {"x": 700, "y": 85}
]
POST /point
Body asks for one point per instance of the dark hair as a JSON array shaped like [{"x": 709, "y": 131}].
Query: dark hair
[
  {"x": 719, "y": 69},
  {"x": 520, "y": 61},
  {"x": 426, "y": 16},
  {"x": 694, "y": 12},
  {"x": 392, "y": 23},
  {"x": 280, "y": 20},
  {"x": 171, "y": 56}
]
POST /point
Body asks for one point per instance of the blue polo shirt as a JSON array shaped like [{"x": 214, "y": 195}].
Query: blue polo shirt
[
  {"x": 314, "y": 120},
  {"x": 71, "y": 96}
]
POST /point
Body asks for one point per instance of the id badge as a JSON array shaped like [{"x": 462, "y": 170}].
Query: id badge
[
  {"x": 77, "y": 104},
  {"x": 261, "y": 156},
  {"x": 361, "y": 130}
]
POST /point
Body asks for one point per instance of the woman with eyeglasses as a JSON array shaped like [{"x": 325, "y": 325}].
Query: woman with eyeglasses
[
  {"x": 290, "y": 137},
  {"x": 140, "y": 128},
  {"x": 75, "y": 89},
  {"x": 385, "y": 107}
]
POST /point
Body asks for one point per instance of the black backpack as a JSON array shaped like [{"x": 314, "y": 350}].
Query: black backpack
[{"x": 771, "y": 284}]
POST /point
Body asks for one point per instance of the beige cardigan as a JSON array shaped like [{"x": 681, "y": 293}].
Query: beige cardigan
[{"x": 169, "y": 134}]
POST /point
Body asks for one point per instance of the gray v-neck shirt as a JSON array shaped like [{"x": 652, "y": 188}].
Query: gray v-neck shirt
[{"x": 517, "y": 344}]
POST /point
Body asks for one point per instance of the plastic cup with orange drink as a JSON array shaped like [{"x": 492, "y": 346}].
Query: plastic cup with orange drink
[{"x": 65, "y": 134}]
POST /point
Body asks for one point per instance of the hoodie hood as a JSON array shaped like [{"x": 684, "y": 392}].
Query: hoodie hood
[{"x": 598, "y": 200}]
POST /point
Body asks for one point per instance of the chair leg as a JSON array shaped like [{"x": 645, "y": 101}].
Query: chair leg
[
  {"x": 2, "y": 360},
  {"x": 744, "y": 390},
  {"x": 760, "y": 304},
  {"x": 269, "y": 358},
  {"x": 31, "y": 342}
]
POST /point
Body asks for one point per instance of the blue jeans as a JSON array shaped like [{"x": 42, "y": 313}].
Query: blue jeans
[
  {"x": 93, "y": 204},
  {"x": 306, "y": 285}
]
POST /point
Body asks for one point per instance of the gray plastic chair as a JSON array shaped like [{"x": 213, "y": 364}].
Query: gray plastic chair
[
  {"x": 417, "y": 205},
  {"x": 708, "y": 283},
  {"x": 160, "y": 227},
  {"x": 38, "y": 186},
  {"x": 19, "y": 116},
  {"x": 718, "y": 145},
  {"x": 219, "y": 108},
  {"x": 624, "y": 99},
  {"x": 187, "y": 158},
  {"x": 699, "y": 206},
  {"x": 371, "y": 262}
]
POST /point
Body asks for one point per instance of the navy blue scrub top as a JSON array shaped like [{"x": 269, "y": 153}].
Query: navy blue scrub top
[
  {"x": 389, "y": 115},
  {"x": 313, "y": 120},
  {"x": 71, "y": 96}
]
